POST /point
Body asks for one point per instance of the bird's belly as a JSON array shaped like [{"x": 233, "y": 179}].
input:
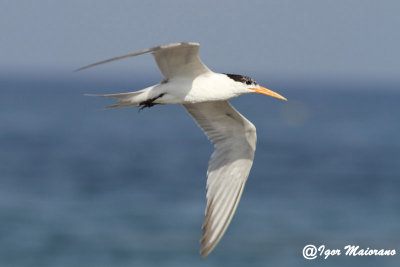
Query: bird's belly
[
  {"x": 190, "y": 96},
  {"x": 207, "y": 95},
  {"x": 204, "y": 88}
]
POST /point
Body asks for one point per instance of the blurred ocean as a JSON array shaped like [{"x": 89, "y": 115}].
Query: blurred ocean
[{"x": 80, "y": 186}]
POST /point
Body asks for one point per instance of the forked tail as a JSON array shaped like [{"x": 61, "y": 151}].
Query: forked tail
[{"x": 124, "y": 99}]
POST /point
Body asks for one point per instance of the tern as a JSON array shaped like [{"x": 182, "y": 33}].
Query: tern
[{"x": 205, "y": 94}]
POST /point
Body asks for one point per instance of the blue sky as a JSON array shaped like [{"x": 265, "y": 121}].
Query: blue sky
[{"x": 357, "y": 38}]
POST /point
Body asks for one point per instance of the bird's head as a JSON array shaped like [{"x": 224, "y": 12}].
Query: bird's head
[{"x": 248, "y": 85}]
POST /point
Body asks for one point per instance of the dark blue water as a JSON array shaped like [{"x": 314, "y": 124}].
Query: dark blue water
[{"x": 80, "y": 186}]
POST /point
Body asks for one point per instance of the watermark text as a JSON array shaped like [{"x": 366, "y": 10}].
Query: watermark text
[{"x": 311, "y": 252}]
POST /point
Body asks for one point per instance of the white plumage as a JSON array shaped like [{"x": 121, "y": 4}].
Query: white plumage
[
  {"x": 204, "y": 95},
  {"x": 234, "y": 138}
]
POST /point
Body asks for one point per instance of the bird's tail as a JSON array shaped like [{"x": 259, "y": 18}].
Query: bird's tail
[{"x": 124, "y": 99}]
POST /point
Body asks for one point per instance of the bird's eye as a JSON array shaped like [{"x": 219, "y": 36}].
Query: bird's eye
[{"x": 248, "y": 82}]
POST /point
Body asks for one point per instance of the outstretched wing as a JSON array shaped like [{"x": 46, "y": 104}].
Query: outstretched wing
[
  {"x": 177, "y": 59},
  {"x": 234, "y": 139}
]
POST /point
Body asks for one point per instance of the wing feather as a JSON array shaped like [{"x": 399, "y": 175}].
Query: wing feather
[
  {"x": 177, "y": 59},
  {"x": 180, "y": 60},
  {"x": 234, "y": 139}
]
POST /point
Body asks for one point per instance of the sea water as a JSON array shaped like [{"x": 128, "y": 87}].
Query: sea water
[{"x": 81, "y": 186}]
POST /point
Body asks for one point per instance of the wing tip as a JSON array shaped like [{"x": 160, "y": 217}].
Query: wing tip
[
  {"x": 154, "y": 49},
  {"x": 82, "y": 68},
  {"x": 204, "y": 252}
]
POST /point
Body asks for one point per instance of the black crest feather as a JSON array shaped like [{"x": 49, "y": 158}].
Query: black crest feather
[{"x": 241, "y": 78}]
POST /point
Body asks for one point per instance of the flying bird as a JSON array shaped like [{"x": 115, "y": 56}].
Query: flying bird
[{"x": 205, "y": 94}]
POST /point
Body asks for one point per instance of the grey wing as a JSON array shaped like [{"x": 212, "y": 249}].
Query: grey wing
[
  {"x": 234, "y": 139},
  {"x": 180, "y": 59},
  {"x": 172, "y": 59}
]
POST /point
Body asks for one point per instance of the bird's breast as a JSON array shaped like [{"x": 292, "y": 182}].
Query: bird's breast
[{"x": 186, "y": 90}]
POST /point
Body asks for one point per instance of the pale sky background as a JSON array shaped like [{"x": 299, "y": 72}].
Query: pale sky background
[{"x": 349, "y": 38}]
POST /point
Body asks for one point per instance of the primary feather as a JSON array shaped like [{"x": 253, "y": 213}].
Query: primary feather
[{"x": 234, "y": 138}]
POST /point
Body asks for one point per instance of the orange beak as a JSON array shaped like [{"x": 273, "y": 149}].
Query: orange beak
[{"x": 265, "y": 91}]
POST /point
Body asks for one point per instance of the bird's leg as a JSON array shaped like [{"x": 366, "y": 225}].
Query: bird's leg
[{"x": 149, "y": 102}]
